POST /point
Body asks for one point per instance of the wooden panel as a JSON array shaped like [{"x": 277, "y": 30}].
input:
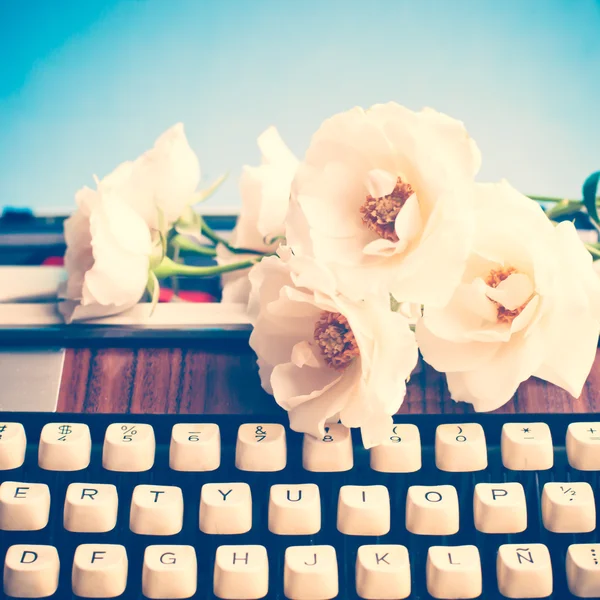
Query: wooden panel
[{"x": 221, "y": 377}]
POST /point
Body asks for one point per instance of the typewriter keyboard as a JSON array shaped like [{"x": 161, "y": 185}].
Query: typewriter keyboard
[{"x": 174, "y": 506}]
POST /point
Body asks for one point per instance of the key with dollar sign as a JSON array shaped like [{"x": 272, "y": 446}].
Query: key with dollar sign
[{"x": 65, "y": 447}]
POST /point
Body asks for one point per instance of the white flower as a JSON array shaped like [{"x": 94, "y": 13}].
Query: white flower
[
  {"x": 265, "y": 192},
  {"x": 386, "y": 194},
  {"x": 107, "y": 258},
  {"x": 324, "y": 357},
  {"x": 528, "y": 304},
  {"x": 163, "y": 179}
]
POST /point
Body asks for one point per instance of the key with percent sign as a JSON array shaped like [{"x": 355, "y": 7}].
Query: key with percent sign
[
  {"x": 64, "y": 447},
  {"x": 128, "y": 447}
]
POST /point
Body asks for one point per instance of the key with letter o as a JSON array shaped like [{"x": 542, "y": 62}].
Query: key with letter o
[
  {"x": 169, "y": 572},
  {"x": 31, "y": 571},
  {"x": 432, "y": 510}
]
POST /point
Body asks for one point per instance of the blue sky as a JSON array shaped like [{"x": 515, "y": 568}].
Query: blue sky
[{"x": 86, "y": 85}]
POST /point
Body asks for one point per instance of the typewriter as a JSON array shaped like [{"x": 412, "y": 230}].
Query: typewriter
[{"x": 184, "y": 506}]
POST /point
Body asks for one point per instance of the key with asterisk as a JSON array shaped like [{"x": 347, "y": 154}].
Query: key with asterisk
[
  {"x": 527, "y": 446},
  {"x": 64, "y": 447},
  {"x": 583, "y": 446}
]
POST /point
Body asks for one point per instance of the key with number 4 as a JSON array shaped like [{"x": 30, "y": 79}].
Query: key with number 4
[
  {"x": 261, "y": 447},
  {"x": 65, "y": 447}
]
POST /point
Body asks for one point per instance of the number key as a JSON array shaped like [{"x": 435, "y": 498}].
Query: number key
[
  {"x": 400, "y": 451},
  {"x": 330, "y": 453},
  {"x": 460, "y": 448},
  {"x": 128, "y": 447},
  {"x": 195, "y": 447},
  {"x": 13, "y": 444},
  {"x": 64, "y": 447},
  {"x": 261, "y": 447}
]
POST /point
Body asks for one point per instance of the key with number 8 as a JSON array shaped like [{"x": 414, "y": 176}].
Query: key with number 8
[
  {"x": 261, "y": 447},
  {"x": 195, "y": 447}
]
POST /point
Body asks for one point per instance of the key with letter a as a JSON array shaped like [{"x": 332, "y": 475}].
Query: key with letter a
[
  {"x": 382, "y": 572},
  {"x": 310, "y": 573},
  {"x": 524, "y": 571}
]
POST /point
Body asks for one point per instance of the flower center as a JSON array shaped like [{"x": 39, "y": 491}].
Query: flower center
[
  {"x": 335, "y": 340},
  {"x": 379, "y": 214},
  {"x": 494, "y": 279}
]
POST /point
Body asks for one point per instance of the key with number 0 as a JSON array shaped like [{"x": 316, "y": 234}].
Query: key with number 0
[
  {"x": 261, "y": 447},
  {"x": 195, "y": 447}
]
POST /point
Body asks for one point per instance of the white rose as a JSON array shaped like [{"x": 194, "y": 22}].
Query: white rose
[
  {"x": 324, "y": 357},
  {"x": 107, "y": 259},
  {"x": 265, "y": 192},
  {"x": 386, "y": 194},
  {"x": 528, "y": 304},
  {"x": 162, "y": 179}
]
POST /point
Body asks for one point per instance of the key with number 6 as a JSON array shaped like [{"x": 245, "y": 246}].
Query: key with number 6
[{"x": 195, "y": 447}]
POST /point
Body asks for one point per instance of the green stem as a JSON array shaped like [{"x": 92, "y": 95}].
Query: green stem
[
  {"x": 215, "y": 238},
  {"x": 594, "y": 250},
  {"x": 552, "y": 200},
  {"x": 168, "y": 268},
  {"x": 184, "y": 243}
]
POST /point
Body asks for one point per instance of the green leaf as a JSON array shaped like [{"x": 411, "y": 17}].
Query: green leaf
[
  {"x": 189, "y": 224},
  {"x": 564, "y": 208},
  {"x": 590, "y": 188},
  {"x": 205, "y": 194},
  {"x": 153, "y": 288},
  {"x": 394, "y": 304},
  {"x": 184, "y": 243}
]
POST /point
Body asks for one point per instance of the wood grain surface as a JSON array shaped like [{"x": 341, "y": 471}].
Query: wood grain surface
[{"x": 221, "y": 377}]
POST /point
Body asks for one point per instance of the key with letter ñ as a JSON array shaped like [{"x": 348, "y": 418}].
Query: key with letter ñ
[{"x": 524, "y": 571}]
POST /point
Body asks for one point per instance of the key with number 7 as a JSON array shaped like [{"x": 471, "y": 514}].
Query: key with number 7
[
  {"x": 261, "y": 447},
  {"x": 195, "y": 447}
]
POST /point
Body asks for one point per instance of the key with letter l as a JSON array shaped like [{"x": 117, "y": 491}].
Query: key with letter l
[{"x": 454, "y": 572}]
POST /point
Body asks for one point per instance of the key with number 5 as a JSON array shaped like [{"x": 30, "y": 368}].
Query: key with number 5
[{"x": 261, "y": 447}]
